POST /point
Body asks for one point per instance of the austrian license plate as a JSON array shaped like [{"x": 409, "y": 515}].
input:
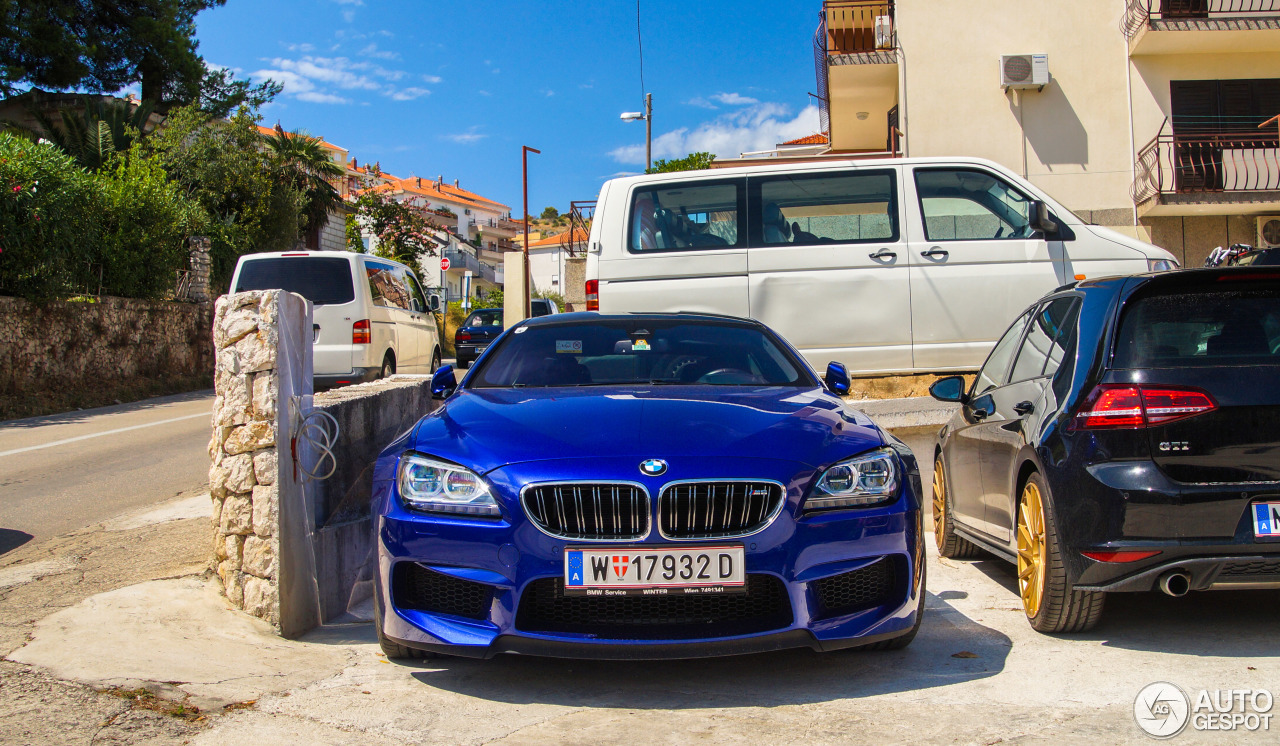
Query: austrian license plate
[
  {"x": 653, "y": 571},
  {"x": 1266, "y": 520}
]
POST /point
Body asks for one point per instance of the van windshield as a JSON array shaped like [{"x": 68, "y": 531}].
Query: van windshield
[{"x": 321, "y": 280}]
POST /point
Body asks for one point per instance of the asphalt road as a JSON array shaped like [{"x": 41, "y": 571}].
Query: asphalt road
[{"x": 65, "y": 472}]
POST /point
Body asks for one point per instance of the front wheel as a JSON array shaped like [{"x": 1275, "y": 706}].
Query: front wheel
[{"x": 1050, "y": 603}]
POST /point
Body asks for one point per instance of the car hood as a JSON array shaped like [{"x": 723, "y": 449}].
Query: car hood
[
  {"x": 1129, "y": 242},
  {"x": 484, "y": 429}
]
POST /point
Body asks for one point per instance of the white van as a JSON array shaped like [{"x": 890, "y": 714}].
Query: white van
[
  {"x": 371, "y": 317},
  {"x": 907, "y": 265}
]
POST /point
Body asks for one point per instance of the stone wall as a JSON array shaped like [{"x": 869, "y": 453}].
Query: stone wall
[
  {"x": 101, "y": 344},
  {"x": 1191, "y": 238},
  {"x": 574, "y": 285}
]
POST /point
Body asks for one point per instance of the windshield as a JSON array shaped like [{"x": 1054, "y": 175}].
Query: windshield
[
  {"x": 321, "y": 280},
  {"x": 490, "y": 317},
  {"x": 621, "y": 352}
]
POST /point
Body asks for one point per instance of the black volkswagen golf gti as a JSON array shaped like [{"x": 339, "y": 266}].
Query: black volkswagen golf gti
[{"x": 1123, "y": 435}]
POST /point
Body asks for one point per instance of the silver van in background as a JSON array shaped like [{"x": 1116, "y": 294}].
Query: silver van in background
[{"x": 906, "y": 265}]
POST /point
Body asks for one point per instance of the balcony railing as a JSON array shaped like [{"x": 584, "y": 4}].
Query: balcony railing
[
  {"x": 1190, "y": 14},
  {"x": 851, "y": 25},
  {"x": 1207, "y": 163}
]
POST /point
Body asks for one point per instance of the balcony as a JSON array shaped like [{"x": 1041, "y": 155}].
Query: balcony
[
  {"x": 1208, "y": 173},
  {"x": 857, "y": 69},
  {"x": 1201, "y": 26}
]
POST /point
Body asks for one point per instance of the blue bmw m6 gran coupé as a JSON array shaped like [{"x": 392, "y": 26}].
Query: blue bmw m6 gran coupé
[{"x": 645, "y": 486}]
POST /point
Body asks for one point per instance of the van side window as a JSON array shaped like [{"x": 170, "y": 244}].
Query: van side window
[
  {"x": 961, "y": 204},
  {"x": 386, "y": 286},
  {"x": 417, "y": 299},
  {"x": 811, "y": 209},
  {"x": 687, "y": 217}
]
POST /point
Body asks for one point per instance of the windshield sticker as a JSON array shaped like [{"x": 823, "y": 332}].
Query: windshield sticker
[
  {"x": 640, "y": 345},
  {"x": 571, "y": 346}
]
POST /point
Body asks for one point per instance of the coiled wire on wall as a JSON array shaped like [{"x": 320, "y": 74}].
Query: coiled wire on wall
[{"x": 320, "y": 430}]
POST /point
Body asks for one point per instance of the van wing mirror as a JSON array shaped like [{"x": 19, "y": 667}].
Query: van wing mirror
[
  {"x": 443, "y": 382},
  {"x": 433, "y": 302},
  {"x": 837, "y": 379},
  {"x": 1041, "y": 219}
]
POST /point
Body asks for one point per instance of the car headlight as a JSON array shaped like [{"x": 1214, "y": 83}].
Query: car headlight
[
  {"x": 1161, "y": 265},
  {"x": 868, "y": 479},
  {"x": 439, "y": 487}
]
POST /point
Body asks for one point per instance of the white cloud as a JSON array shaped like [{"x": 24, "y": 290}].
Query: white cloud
[
  {"x": 333, "y": 70},
  {"x": 484, "y": 93},
  {"x": 701, "y": 103},
  {"x": 317, "y": 97},
  {"x": 406, "y": 94},
  {"x": 432, "y": 79},
  {"x": 303, "y": 48},
  {"x": 734, "y": 99},
  {"x": 382, "y": 54},
  {"x": 349, "y": 2},
  {"x": 348, "y": 15},
  {"x": 466, "y": 138},
  {"x": 757, "y": 127}
]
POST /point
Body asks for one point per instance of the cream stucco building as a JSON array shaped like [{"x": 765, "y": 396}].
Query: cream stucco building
[{"x": 1148, "y": 123}]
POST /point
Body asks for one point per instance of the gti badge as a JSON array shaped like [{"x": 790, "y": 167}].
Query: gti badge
[
  {"x": 1175, "y": 445},
  {"x": 654, "y": 467}
]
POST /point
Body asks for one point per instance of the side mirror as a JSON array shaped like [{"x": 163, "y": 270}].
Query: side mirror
[
  {"x": 837, "y": 378},
  {"x": 443, "y": 382},
  {"x": 949, "y": 389},
  {"x": 1041, "y": 220},
  {"x": 433, "y": 301}
]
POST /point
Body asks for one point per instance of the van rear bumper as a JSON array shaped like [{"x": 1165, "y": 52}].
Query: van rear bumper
[{"x": 357, "y": 375}]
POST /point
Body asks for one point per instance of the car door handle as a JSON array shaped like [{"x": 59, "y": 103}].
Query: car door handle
[
  {"x": 935, "y": 251},
  {"x": 1024, "y": 408},
  {"x": 980, "y": 414},
  {"x": 884, "y": 254}
]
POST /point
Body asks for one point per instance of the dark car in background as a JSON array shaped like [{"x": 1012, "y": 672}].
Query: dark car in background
[
  {"x": 480, "y": 328},
  {"x": 1123, "y": 435}
]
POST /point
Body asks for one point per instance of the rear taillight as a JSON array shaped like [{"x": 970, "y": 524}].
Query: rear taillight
[
  {"x": 593, "y": 295},
  {"x": 1118, "y": 406},
  {"x": 462, "y": 337},
  {"x": 360, "y": 332},
  {"x": 1121, "y": 555}
]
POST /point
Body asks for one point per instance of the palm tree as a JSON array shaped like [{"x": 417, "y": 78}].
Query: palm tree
[
  {"x": 101, "y": 128},
  {"x": 303, "y": 164}
]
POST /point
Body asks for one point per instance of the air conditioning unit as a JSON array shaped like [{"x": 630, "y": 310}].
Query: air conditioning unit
[
  {"x": 1268, "y": 232},
  {"x": 1024, "y": 70},
  {"x": 884, "y": 32}
]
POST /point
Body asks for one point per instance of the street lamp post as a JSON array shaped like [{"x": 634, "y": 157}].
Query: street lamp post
[
  {"x": 647, "y": 116},
  {"x": 524, "y": 156}
]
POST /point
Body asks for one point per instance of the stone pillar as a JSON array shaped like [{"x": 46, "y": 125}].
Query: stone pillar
[
  {"x": 574, "y": 283},
  {"x": 263, "y": 347},
  {"x": 199, "y": 263}
]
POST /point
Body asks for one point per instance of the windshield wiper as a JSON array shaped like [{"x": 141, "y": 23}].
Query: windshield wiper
[{"x": 664, "y": 381}]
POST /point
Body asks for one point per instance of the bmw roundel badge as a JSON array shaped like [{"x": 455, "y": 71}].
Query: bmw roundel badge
[{"x": 654, "y": 467}]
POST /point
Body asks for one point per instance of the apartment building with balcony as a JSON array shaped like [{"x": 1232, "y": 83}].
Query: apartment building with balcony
[{"x": 1149, "y": 123}]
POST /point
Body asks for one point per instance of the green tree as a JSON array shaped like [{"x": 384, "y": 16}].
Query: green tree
[
  {"x": 224, "y": 166},
  {"x": 550, "y": 213},
  {"x": 355, "y": 241},
  {"x": 303, "y": 165},
  {"x": 93, "y": 132},
  {"x": 691, "y": 162},
  {"x": 104, "y": 45}
]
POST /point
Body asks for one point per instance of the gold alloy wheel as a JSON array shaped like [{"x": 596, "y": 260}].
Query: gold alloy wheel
[
  {"x": 1031, "y": 549},
  {"x": 939, "y": 503}
]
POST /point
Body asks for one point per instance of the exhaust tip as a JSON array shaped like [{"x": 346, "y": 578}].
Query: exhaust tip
[{"x": 1175, "y": 583}]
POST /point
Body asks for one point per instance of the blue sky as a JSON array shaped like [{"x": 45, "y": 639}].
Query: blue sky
[{"x": 455, "y": 88}]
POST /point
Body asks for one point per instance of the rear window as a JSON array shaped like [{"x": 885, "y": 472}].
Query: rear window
[
  {"x": 1201, "y": 328},
  {"x": 485, "y": 318},
  {"x": 321, "y": 280},
  {"x": 639, "y": 352}
]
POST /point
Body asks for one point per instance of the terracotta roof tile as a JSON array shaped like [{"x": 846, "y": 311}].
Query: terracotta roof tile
[
  {"x": 561, "y": 239},
  {"x": 819, "y": 138}
]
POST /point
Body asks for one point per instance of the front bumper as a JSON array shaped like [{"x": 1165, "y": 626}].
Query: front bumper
[{"x": 508, "y": 557}]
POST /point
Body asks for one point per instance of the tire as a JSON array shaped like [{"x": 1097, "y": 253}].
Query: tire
[
  {"x": 464, "y": 363},
  {"x": 435, "y": 360},
  {"x": 390, "y": 648},
  {"x": 388, "y": 366},
  {"x": 898, "y": 643},
  {"x": 1053, "y": 606},
  {"x": 950, "y": 544}
]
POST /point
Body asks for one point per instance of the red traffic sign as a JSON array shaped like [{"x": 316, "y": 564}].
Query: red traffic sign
[{"x": 444, "y": 264}]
